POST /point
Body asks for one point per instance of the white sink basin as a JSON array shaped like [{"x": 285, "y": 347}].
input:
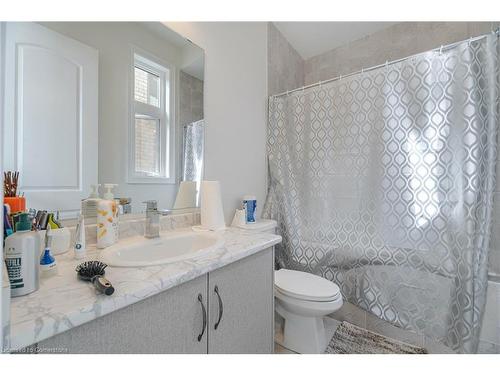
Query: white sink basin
[{"x": 168, "y": 248}]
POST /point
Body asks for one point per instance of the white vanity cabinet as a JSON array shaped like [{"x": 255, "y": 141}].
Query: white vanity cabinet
[
  {"x": 183, "y": 319},
  {"x": 169, "y": 322},
  {"x": 241, "y": 306}
]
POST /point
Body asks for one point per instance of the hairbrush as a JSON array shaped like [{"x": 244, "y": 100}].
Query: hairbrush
[{"x": 93, "y": 271}]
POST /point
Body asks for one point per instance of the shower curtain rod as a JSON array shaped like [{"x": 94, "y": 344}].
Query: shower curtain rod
[{"x": 387, "y": 63}]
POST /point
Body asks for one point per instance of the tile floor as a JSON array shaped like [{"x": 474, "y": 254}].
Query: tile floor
[{"x": 361, "y": 318}]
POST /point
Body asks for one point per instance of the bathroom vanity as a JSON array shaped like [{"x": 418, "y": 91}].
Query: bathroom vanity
[
  {"x": 183, "y": 319},
  {"x": 170, "y": 297},
  {"x": 216, "y": 302}
]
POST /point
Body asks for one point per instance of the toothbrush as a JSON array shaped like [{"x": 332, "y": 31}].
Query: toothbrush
[{"x": 6, "y": 222}]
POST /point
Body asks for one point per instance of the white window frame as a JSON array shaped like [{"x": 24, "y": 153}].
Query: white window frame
[{"x": 153, "y": 64}]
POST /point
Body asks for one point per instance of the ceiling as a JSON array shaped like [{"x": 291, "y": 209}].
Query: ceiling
[{"x": 314, "y": 38}]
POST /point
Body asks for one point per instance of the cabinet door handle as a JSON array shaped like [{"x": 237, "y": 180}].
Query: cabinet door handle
[
  {"x": 204, "y": 312},
  {"x": 221, "y": 307}
]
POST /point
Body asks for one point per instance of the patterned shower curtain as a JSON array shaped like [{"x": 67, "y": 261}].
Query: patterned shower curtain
[
  {"x": 383, "y": 182},
  {"x": 193, "y": 140},
  {"x": 193, "y": 143}
]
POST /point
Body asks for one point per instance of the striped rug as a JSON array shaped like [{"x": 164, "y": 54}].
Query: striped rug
[{"x": 351, "y": 339}]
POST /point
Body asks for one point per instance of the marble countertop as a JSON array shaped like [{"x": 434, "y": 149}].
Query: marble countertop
[{"x": 64, "y": 302}]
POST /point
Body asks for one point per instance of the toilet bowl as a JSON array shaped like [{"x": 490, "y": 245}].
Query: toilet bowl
[{"x": 303, "y": 300}]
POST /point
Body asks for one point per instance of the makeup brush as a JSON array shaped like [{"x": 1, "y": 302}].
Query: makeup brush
[
  {"x": 10, "y": 182},
  {"x": 93, "y": 271}
]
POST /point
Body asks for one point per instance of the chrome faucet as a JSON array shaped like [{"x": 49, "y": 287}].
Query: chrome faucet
[{"x": 152, "y": 227}]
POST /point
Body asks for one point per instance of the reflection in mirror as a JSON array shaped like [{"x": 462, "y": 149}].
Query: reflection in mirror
[{"x": 103, "y": 103}]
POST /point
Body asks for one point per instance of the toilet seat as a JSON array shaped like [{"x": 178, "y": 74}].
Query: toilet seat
[{"x": 305, "y": 286}]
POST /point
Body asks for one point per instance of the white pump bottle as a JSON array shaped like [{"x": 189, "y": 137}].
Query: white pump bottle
[{"x": 107, "y": 219}]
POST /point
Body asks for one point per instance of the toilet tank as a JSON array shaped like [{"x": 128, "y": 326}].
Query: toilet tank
[{"x": 261, "y": 226}]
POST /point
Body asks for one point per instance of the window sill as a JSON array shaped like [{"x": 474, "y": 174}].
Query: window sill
[{"x": 152, "y": 180}]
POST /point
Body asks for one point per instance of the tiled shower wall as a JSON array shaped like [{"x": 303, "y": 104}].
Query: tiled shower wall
[
  {"x": 395, "y": 42},
  {"x": 284, "y": 64},
  {"x": 191, "y": 99},
  {"x": 287, "y": 70}
]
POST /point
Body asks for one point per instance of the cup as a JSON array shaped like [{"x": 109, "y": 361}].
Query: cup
[
  {"x": 60, "y": 240},
  {"x": 239, "y": 218},
  {"x": 250, "y": 205}
]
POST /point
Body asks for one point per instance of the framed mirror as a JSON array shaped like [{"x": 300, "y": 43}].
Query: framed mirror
[{"x": 115, "y": 105}]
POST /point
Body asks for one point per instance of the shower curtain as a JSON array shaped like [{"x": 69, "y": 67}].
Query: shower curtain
[
  {"x": 193, "y": 151},
  {"x": 383, "y": 183},
  {"x": 193, "y": 139}
]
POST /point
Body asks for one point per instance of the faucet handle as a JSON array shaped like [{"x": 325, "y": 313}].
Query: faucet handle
[{"x": 151, "y": 205}]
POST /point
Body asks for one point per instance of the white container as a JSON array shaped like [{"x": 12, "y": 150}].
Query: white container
[
  {"x": 250, "y": 205},
  {"x": 60, "y": 240},
  {"x": 212, "y": 214},
  {"x": 22, "y": 254},
  {"x": 48, "y": 264},
  {"x": 89, "y": 205},
  {"x": 107, "y": 223},
  {"x": 5, "y": 309},
  {"x": 80, "y": 248},
  {"x": 239, "y": 218}
]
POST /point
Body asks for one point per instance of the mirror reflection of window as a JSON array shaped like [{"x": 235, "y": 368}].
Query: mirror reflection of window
[
  {"x": 151, "y": 108},
  {"x": 147, "y": 87}
]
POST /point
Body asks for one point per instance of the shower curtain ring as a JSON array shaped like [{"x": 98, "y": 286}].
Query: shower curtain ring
[{"x": 441, "y": 50}]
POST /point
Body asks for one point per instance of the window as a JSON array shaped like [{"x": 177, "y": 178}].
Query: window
[{"x": 151, "y": 130}]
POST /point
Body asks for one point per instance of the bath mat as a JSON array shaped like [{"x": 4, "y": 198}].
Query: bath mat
[{"x": 351, "y": 339}]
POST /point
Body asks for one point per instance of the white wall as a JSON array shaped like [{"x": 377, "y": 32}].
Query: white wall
[
  {"x": 235, "y": 106},
  {"x": 113, "y": 40}
]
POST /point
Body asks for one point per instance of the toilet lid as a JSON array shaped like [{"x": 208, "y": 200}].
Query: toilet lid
[{"x": 305, "y": 286}]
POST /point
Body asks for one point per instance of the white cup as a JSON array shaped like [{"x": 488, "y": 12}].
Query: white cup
[
  {"x": 60, "y": 240},
  {"x": 239, "y": 218}
]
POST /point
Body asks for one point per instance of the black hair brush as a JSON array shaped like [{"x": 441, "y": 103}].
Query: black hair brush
[{"x": 93, "y": 271}]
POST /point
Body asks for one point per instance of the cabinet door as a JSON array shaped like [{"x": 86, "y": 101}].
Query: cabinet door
[
  {"x": 169, "y": 322},
  {"x": 246, "y": 297}
]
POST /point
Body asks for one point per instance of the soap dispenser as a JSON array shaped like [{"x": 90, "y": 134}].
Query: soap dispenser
[
  {"x": 89, "y": 205},
  {"x": 108, "y": 194},
  {"x": 107, "y": 219}
]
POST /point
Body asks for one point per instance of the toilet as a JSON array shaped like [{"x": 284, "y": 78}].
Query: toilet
[{"x": 303, "y": 300}]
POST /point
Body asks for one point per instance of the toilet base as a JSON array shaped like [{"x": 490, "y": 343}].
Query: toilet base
[{"x": 303, "y": 334}]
